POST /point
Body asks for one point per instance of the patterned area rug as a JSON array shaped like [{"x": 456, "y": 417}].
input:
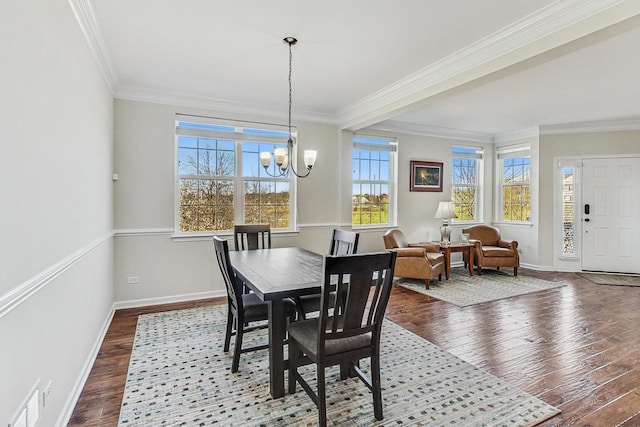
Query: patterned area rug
[
  {"x": 179, "y": 375},
  {"x": 464, "y": 290},
  {"x": 612, "y": 279}
]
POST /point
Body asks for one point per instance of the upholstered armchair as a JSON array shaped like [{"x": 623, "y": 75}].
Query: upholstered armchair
[
  {"x": 415, "y": 260},
  {"x": 491, "y": 250}
]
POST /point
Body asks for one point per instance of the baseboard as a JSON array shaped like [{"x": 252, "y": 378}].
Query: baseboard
[
  {"x": 65, "y": 415},
  {"x": 522, "y": 265},
  {"x": 168, "y": 299}
]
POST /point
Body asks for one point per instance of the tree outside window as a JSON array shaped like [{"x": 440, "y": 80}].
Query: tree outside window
[
  {"x": 373, "y": 173},
  {"x": 515, "y": 183},
  {"x": 221, "y": 182},
  {"x": 465, "y": 168}
]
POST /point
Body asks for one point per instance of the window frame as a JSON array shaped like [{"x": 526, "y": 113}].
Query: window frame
[
  {"x": 478, "y": 155},
  {"x": 365, "y": 142},
  {"x": 559, "y": 208},
  {"x": 511, "y": 152},
  {"x": 243, "y": 133}
]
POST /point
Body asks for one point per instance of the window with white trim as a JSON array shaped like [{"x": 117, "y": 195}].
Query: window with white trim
[
  {"x": 465, "y": 178},
  {"x": 373, "y": 181},
  {"x": 570, "y": 207},
  {"x": 514, "y": 180},
  {"x": 220, "y": 180}
]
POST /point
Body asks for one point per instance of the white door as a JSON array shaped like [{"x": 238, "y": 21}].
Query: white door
[{"x": 611, "y": 215}]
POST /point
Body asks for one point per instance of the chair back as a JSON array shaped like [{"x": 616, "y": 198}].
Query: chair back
[
  {"x": 344, "y": 242},
  {"x": 395, "y": 239},
  {"x": 487, "y": 234},
  {"x": 359, "y": 279},
  {"x": 231, "y": 281},
  {"x": 252, "y": 236}
]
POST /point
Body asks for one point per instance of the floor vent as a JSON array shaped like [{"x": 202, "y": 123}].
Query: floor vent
[{"x": 29, "y": 414}]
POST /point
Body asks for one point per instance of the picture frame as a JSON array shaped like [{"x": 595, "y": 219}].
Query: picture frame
[
  {"x": 464, "y": 238},
  {"x": 426, "y": 176}
]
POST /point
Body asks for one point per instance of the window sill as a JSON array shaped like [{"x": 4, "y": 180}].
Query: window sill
[
  {"x": 513, "y": 224},
  {"x": 198, "y": 237},
  {"x": 373, "y": 227}
]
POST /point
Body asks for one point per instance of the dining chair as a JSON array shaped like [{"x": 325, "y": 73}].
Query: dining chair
[
  {"x": 252, "y": 236},
  {"x": 352, "y": 332},
  {"x": 243, "y": 309},
  {"x": 342, "y": 243}
]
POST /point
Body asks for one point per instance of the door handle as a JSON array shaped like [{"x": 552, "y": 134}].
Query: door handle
[{"x": 587, "y": 209}]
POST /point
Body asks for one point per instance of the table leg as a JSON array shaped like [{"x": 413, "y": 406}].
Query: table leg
[
  {"x": 471, "y": 251},
  {"x": 447, "y": 262},
  {"x": 277, "y": 325}
]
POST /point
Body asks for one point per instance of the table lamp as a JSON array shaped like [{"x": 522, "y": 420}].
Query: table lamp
[{"x": 446, "y": 211}]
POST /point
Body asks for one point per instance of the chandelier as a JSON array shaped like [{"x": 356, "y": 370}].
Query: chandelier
[{"x": 283, "y": 156}]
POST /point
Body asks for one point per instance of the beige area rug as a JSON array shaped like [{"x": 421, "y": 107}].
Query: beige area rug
[
  {"x": 179, "y": 376},
  {"x": 464, "y": 290},
  {"x": 612, "y": 279}
]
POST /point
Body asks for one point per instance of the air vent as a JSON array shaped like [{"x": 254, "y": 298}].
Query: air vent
[{"x": 29, "y": 414}]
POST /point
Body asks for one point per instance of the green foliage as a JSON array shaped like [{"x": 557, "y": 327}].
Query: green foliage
[{"x": 370, "y": 213}]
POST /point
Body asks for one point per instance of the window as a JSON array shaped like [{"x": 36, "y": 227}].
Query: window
[
  {"x": 514, "y": 168},
  {"x": 465, "y": 192},
  {"x": 373, "y": 195},
  {"x": 569, "y": 206},
  {"x": 220, "y": 180}
]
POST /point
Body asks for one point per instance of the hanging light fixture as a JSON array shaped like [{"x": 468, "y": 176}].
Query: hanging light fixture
[{"x": 284, "y": 156}]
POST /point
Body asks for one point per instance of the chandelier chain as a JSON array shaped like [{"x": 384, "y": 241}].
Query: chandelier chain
[{"x": 290, "y": 91}]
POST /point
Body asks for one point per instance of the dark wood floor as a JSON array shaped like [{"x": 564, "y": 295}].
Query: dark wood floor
[{"x": 576, "y": 348}]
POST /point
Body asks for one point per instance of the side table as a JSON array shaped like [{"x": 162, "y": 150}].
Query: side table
[{"x": 456, "y": 247}]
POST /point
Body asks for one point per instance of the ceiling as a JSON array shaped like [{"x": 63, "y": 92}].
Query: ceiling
[{"x": 482, "y": 68}]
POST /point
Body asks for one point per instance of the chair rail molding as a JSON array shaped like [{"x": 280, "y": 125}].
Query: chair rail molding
[{"x": 22, "y": 292}]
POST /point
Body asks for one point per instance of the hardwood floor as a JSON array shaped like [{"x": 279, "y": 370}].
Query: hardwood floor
[{"x": 576, "y": 347}]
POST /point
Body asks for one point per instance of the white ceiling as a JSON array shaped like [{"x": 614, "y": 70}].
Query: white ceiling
[{"x": 488, "y": 67}]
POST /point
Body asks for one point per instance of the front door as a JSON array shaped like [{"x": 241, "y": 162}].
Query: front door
[{"x": 611, "y": 215}]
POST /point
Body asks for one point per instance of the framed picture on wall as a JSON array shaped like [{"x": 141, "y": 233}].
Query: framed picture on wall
[{"x": 426, "y": 176}]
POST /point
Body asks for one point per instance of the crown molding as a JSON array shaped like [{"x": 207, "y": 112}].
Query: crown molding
[
  {"x": 131, "y": 93},
  {"x": 592, "y": 127},
  {"x": 533, "y": 132},
  {"x": 89, "y": 26},
  {"x": 552, "y": 26},
  {"x": 433, "y": 131}
]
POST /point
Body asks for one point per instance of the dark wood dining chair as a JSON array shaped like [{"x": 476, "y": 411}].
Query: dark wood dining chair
[
  {"x": 252, "y": 236},
  {"x": 342, "y": 243},
  {"x": 352, "y": 332},
  {"x": 243, "y": 309}
]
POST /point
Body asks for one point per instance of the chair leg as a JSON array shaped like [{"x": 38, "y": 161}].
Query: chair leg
[
  {"x": 294, "y": 354},
  {"x": 376, "y": 387},
  {"x": 322, "y": 397},
  {"x": 426, "y": 283},
  {"x": 227, "y": 337},
  {"x": 479, "y": 271},
  {"x": 237, "y": 349},
  {"x": 515, "y": 271}
]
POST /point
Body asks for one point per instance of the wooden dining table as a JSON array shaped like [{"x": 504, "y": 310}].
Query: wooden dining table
[{"x": 276, "y": 274}]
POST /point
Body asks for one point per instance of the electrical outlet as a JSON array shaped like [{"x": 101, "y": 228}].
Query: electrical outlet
[{"x": 132, "y": 280}]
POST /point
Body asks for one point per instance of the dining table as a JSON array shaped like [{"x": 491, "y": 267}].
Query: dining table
[{"x": 274, "y": 275}]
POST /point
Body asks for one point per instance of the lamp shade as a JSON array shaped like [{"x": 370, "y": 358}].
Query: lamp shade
[{"x": 446, "y": 210}]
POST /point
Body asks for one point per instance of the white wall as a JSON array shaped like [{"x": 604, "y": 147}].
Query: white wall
[{"x": 56, "y": 251}]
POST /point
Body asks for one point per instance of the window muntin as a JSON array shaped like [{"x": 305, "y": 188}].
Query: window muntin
[
  {"x": 514, "y": 165},
  {"x": 220, "y": 180},
  {"x": 465, "y": 171},
  {"x": 373, "y": 163}
]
